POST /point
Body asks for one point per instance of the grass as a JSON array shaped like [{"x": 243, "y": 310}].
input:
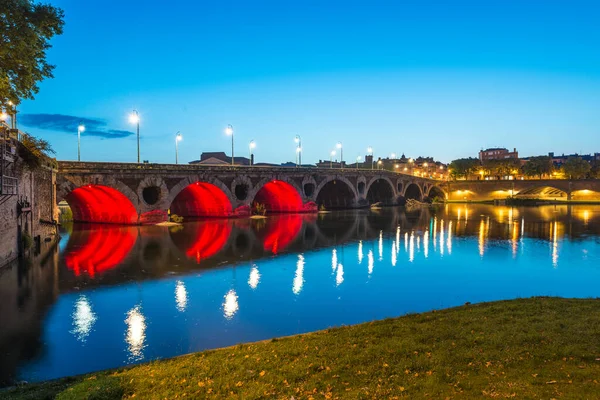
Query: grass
[{"x": 527, "y": 348}]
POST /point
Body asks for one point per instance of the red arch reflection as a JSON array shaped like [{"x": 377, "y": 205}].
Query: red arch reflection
[
  {"x": 201, "y": 199},
  {"x": 97, "y": 203},
  {"x": 279, "y": 196},
  {"x": 97, "y": 250},
  {"x": 209, "y": 239},
  {"x": 281, "y": 231}
]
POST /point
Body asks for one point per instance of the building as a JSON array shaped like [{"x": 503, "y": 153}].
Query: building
[
  {"x": 220, "y": 158},
  {"x": 498, "y": 153}
]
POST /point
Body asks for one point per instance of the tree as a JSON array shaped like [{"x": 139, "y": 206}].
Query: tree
[
  {"x": 576, "y": 168},
  {"x": 538, "y": 166},
  {"x": 463, "y": 167},
  {"x": 25, "y": 31},
  {"x": 34, "y": 151},
  {"x": 503, "y": 167}
]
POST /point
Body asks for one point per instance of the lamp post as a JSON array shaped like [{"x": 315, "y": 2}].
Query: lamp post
[
  {"x": 80, "y": 128},
  {"x": 331, "y": 158},
  {"x": 134, "y": 118},
  {"x": 178, "y": 137},
  {"x": 411, "y": 162},
  {"x": 370, "y": 152},
  {"x": 251, "y": 146},
  {"x": 357, "y": 160},
  {"x": 229, "y": 131},
  {"x": 339, "y": 146},
  {"x": 298, "y": 141},
  {"x": 379, "y": 162}
]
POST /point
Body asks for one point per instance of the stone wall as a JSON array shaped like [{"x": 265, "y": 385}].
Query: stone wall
[{"x": 39, "y": 188}]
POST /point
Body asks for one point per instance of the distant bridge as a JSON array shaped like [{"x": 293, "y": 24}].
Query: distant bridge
[
  {"x": 544, "y": 189},
  {"x": 138, "y": 193}
]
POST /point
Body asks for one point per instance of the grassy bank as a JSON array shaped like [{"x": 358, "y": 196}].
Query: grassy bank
[{"x": 529, "y": 348}]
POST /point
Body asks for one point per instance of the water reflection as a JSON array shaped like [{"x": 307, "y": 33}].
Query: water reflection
[
  {"x": 450, "y": 255},
  {"x": 135, "y": 336},
  {"x": 230, "y": 305},
  {"x": 83, "y": 318},
  {"x": 181, "y": 296}
]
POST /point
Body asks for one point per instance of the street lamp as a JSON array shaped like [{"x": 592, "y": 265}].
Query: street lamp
[
  {"x": 370, "y": 152},
  {"x": 339, "y": 146},
  {"x": 229, "y": 131},
  {"x": 393, "y": 156},
  {"x": 298, "y": 141},
  {"x": 134, "y": 118},
  {"x": 410, "y": 162},
  {"x": 357, "y": 161},
  {"x": 178, "y": 137},
  {"x": 331, "y": 158},
  {"x": 426, "y": 168},
  {"x": 251, "y": 146},
  {"x": 379, "y": 164},
  {"x": 80, "y": 129}
]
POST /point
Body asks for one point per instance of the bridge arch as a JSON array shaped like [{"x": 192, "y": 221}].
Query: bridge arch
[
  {"x": 413, "y": 191},
  {"x": 336, "y": 192},
  {"x": 542, "y": 192},
  {"x": 200, "y": 198},
  {"x": 102, "y": 204},
  {"x": 277, "y": 195},
  {"x": 380, "y": 189},
  {"x": 435, "y": 191}
]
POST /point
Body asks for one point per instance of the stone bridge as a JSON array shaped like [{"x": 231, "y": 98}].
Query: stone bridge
[
  {"x": 139, "y": 193},
  {"x": 550, "y": 189}
]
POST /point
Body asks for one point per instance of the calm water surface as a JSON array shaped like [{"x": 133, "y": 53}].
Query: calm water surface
[{"x": 111, "y": 296}]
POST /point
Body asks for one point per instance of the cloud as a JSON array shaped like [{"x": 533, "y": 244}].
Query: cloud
[{"x": 68, "y": 124}]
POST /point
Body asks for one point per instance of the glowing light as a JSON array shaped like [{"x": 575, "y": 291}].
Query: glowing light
[
  {"x": 339, "y": 145},
  {"x": 442, "y": 237},
  {"x": 449, "y": 240},
  {"x": 380, "y": 245},
  {"x": 136, "y": 333},
  {"x": 411, "y": 247},
  {"x": 202, "y": 199},
  {"x": 371, "y": 262},
  {"x": 369, "y": 150},
  {"x": 81, "y": 128},
  {"x": 208, "y": 239},
  {"x": 3, "y": 116},
  {"x": 230, "y": 305},
  {"x": 134, "y": 117},
  {"x": 394, "y": 254},
  {"x": 254, "y": 278},
  {"x": 334, "y": 262},
  {"x": 97, "y": 203},
  {"x": 397, "y": 239},
  {"x": 332, "y": 153},
  {"x": 360, "y": 251},
  {"x": 83, "y": 318},
  {"x": 406, "y": 169},
  {"x": 281, "y": 232},
  {"x": 555, "y": 244},
  {"x": 426, "y": 244},
  {"x": 178, "y": 137},
  {"x": 299, "y": 276},
  {"x": 279, "y": 196},
  {"x": 481, "y": 238},
  {"x": 252, "y": 145},
  {"x": 181, "y": 296},
  {"x": 229, "y": 130},
  {"x": 406, "y": 242},
  {"x": 339, "y": 276}
]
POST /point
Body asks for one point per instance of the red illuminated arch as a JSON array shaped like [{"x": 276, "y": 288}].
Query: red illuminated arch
[
  {"x": 201, "y": 199},
  {"x": 279, "y": 196},
  {"x": 281, "y": 231},
  {"x": 97, "y": 250},
  {"x": 97, "y": 203},
  {"x": 210, "y": 238}
]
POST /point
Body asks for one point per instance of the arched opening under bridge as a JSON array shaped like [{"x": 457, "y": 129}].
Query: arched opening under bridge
[
  {"x": 380, "y": 191},
  {"x": 435, "y": 194},
  {"x": 201, "y": 199},
  {"x": 413, "y": 192},
  {"x": 542, "y": 192},
  {"x": 278, "y": 197},
  {"x": 335, "y": 194},
  {"x": 102, "y": 204}
]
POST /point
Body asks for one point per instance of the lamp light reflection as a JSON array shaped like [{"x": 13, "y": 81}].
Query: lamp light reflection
[
  {"x": 299, "y": 277},
  {"x": 181, "y": 296},
  {"x": 426, "y": 244},
  {"x": 136, "y": 333},
  {"x": 333, "y": 259},
  {"x": 230, "y": 305},
  {"x": 380, "y": 245},
  {"x": 360, "y": 251},
  {"x": 371, "y": 262},
  {"x": 83, "y": 318},
  {"x": 411, "y": 247},
  {"x": 339, "y": 276},
  {"x": 394, "y": 254},
  {"x": 254, "y": 278}
]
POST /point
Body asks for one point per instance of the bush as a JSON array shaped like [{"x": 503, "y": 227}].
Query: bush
[
  {"x": 259, "y": 209},
  {"x": 322, "y": 207},
  {"x": 176, "y": 218},
  {"x": 27, "y": 240}
]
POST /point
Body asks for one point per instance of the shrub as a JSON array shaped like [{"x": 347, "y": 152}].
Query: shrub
[
  {"x": 322, "y": 207},
  {"x": 27, "y": 240},
  {"x": 259, "y": 209},
  {"x": 176, "y": 218}
]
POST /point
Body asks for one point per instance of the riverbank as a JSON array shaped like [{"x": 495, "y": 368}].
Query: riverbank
[{"x": 526, "y": 348}]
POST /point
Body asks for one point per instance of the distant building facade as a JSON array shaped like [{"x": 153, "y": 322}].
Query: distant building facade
[{"x": 498, "y": 153}]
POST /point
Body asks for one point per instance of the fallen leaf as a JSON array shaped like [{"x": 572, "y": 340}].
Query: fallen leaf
[{"x": 262, "y": 373}]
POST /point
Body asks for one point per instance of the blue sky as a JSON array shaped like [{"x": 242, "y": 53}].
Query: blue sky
[{"x": 438, "y": 78}]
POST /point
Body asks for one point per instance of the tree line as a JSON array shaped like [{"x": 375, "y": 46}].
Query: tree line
[{"x": 535, "y": 167}]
